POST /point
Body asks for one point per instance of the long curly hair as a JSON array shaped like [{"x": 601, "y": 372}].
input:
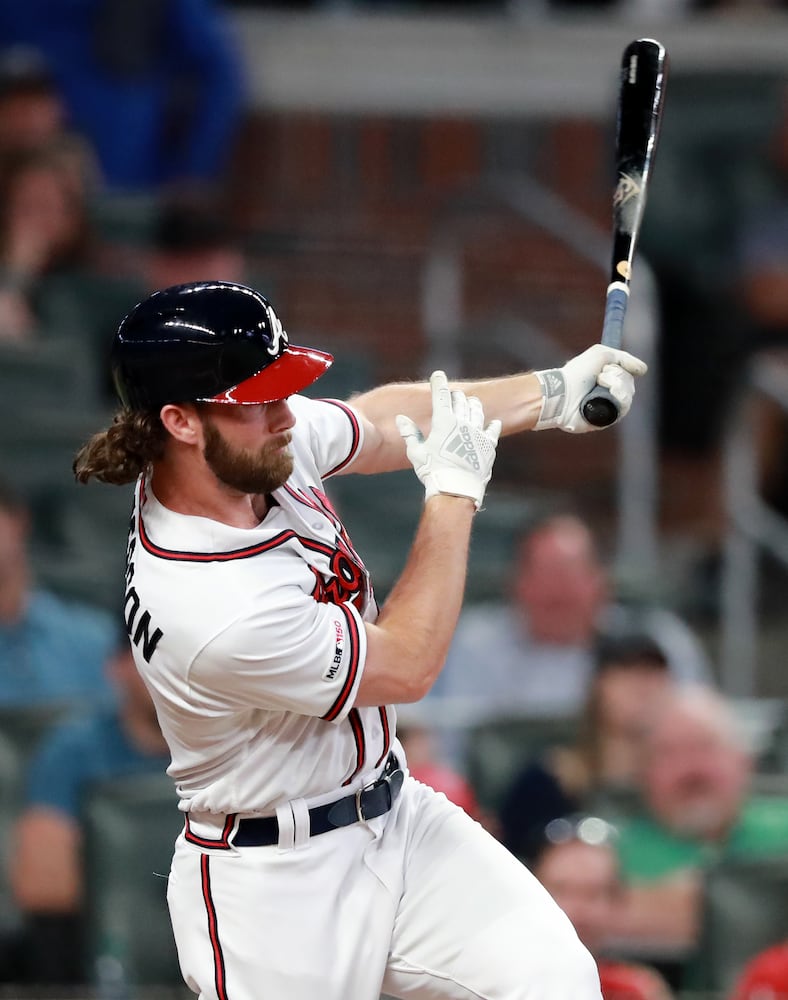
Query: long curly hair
[{"x": 120, "y": 453}]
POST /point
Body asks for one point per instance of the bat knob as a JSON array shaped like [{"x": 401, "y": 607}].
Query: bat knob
[{"x": 599, "y": 411}]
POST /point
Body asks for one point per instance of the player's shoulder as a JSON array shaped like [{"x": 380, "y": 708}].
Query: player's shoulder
[{"x": 323, "y": 413}]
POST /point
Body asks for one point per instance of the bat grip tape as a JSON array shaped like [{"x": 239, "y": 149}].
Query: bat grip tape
[{"x": 616, "y": 303}]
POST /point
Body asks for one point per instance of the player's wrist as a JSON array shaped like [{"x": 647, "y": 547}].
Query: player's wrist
[
  {"x": 552, "y": 382},
  {"x": 456, "y": 483},
  {"x": 453, "y": 501}
]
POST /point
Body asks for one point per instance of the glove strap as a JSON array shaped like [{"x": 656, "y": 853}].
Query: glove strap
[{"x": 553, "y": 385}]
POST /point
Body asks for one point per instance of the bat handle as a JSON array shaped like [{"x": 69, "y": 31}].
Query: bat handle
[{"x": 599, "y": 408}]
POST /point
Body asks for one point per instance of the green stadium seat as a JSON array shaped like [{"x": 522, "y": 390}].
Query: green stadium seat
[
  {"x": 381, "y": 514},
  {"x": 500, "y": 747},
  {"x": 352, "y": 371},
  {"x": 745, "y": 909},
  {"x": 130, "y": 828},
  {"x": 54, "y": 374},
  {"x": 11, "y": 781}
]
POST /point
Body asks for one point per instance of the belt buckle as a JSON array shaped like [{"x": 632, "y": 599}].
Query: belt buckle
[{"x": 359, "y": 804}]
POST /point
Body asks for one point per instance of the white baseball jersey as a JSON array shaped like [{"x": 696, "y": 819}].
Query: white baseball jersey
[{"x": 252, "y": 641}]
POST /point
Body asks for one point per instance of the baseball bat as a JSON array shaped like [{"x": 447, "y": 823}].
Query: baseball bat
[{"x": 639, "y": 115}]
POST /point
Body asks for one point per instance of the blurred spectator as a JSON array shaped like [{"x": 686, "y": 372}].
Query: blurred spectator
[
  {"x": 32, "y": 113},
  {"x": 156, "y": 86},
  {"x": 765, "y": 977},
  {"x": 601, "y": 769},
  {"x": 46, "y": 871},
  {"x": 45, "y": 234},
  {"x": 54, "y": 283},
  {"x": 763, "y": 249},
  {"x": 33, "y": 116},
  {"x": 576, "y": 862},
  {"x": 425, "y": 765},
  {"x": 533, "y": 654},
  {"x": 763, "y": 286},
  {"x": 193, "y": 240},
  {"x": 52, "y": 651},
  {"x": 698, "y": 809}
]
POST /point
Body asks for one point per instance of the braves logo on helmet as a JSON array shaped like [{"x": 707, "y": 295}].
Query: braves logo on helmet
[{"x": 279, "y": 338}]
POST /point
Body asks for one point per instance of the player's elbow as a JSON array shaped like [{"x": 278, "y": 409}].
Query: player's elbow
[
  {"x": 414, "y": 688},
  {"x": 402, "y": 688},
  {"x": 396, "y": 672}
]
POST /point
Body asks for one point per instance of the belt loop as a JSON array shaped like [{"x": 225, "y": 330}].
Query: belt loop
[
  {"x": 301, "y": 821},
  {"x": 286, "y": 821}
]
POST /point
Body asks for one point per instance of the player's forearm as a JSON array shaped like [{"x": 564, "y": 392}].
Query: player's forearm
[
  {"x": 407, "y": 646},
  {"x": 515, "y": 400}
]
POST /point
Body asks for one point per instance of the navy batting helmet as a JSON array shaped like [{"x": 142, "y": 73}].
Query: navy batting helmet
[{"x": 208, "y": 341}]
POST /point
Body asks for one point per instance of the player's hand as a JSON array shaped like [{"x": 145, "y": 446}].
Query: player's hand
[
  {"x": 457, "y": 455},
  {"x": 564, "y": 389}
]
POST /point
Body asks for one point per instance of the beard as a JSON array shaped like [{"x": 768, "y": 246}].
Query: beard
[{"x": 261, "y": 470}]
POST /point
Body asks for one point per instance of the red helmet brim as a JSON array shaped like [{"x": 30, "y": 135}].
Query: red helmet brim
[{"x": 294, "y": 370}]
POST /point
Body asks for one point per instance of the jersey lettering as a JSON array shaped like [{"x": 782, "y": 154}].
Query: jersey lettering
[
  {"x": 350, "y": 580},
  {"x": 347, "y": 584},
  {"x": 339, "y": 646},
  {"x": 144, "y": 632}
]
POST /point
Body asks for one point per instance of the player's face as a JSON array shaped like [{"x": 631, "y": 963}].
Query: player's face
[{"x": 247, "y": 447}]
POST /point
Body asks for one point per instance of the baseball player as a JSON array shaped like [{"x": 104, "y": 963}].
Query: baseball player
[{"x": 310, "y": 864}]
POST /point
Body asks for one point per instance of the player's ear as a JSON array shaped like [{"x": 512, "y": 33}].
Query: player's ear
[{"x": 182, "y": 422}]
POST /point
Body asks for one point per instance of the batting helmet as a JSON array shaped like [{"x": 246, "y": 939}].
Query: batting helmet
[{"x": 208, "y": 341}]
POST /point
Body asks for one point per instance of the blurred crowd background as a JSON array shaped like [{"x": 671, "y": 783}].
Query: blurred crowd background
[{"x": 415, "y": 185}]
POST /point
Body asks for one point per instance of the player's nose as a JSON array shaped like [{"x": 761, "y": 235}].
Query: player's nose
[{"x": 280, "y": 416}]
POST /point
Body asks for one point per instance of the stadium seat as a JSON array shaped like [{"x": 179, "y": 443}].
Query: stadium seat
[
  {"x": 745, "y": 909},
  {"x": 352, "y": 371},
  {"x": 48, "y": 373},
  {"x": 11, "y": 778},
  {"x": 498, "y": 748},
  {"x": 130, "y": 828}
]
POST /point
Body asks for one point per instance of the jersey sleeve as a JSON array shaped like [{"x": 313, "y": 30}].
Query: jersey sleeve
[
  {"x": 334, "y": 432},
  {"x": 303, "y": 656}
]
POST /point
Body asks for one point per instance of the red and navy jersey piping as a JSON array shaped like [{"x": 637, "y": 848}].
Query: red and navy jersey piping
[
  {"x": 247, "y": 552},
  {"x": 355, "y": 657},
  {"x": 356, "y": 436},
  {"x": 384, "y": 722},
  {"x": 354, "y": 718},
  {"x": 222, "y": 844}
]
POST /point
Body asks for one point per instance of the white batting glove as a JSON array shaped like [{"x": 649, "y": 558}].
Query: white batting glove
[
  {"x": 457, "y": 455},
  {"x": 564, "y": 389}
]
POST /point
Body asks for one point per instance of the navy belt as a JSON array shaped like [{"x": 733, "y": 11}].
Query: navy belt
[{"x": 366, "y": 803}]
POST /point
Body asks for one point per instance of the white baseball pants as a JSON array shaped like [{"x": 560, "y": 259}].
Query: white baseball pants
[{"x": 420, "y": 903}]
